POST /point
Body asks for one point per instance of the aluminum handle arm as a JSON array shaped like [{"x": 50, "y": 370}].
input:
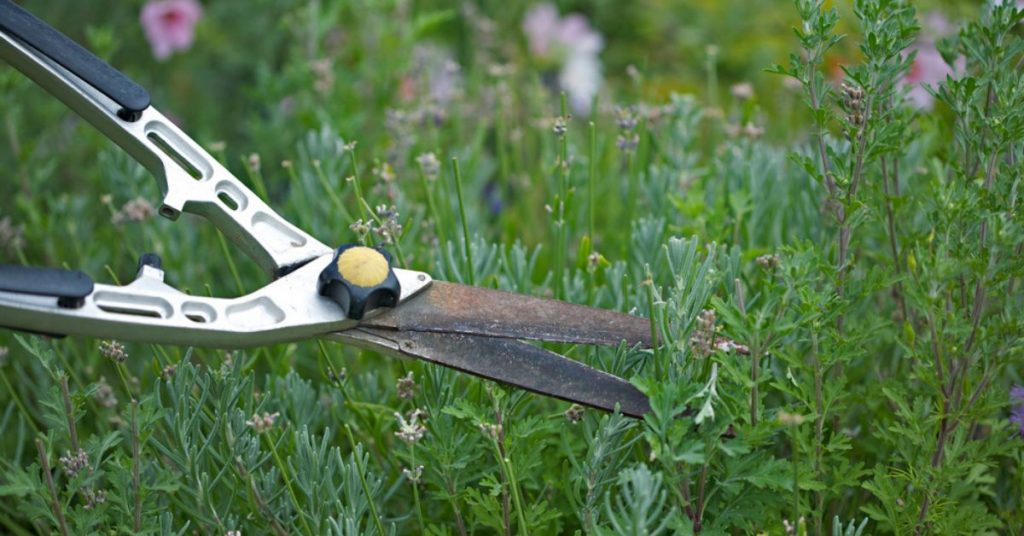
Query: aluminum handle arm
[
  {"x": 148, "y": 310},
  {"x": 190, "y": 179}
]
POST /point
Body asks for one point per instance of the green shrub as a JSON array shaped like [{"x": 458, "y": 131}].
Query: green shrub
[{"x": 835, "y": 274}]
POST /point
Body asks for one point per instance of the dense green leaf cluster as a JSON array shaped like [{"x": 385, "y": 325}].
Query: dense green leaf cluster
[{"x": 834, "y": 278}]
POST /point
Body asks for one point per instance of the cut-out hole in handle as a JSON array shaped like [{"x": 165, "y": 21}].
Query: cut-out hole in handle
[
  {"x": 231, "y": 195},
  {"x": 199, "y": 313},
  {"x": 227, "y": 200},
  {"x": 162, "y": 144},
  {"x": 129, "y": 310},
  {"x": 132, "y": 304}
]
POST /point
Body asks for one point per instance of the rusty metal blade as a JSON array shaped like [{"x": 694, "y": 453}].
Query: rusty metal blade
[
  {"x": 453, "y": 308},
  {"x": 507, "y": 361}
]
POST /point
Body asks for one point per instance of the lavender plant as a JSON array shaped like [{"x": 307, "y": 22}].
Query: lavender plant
[{"x": 830, "y": 267}]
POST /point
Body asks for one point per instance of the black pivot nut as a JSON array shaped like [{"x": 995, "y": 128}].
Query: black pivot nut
[
  {"x": 360, "y": 279},
  {"x": 152, "y": 260}
]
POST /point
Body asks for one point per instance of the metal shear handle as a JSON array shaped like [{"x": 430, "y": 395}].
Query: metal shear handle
[
  {"x": 190, "y": 179},
  {"x": 69, "y": 303}
]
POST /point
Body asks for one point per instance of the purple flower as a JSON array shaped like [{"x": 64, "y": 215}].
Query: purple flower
[
  {"x": 1017, "y": 415},
  {"x": 541, "y": 26},
  {"x": 576, "y": 33},
  {"x": 170, "y": 25},
  {"x": 436, "y": 72},
  {"x": 492, "y": 198}
]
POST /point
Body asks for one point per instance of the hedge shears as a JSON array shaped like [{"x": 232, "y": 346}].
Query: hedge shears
[{"x": 351, "y": 294}]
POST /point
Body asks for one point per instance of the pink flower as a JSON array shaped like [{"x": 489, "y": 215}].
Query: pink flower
[
  {"x": 540, "y": 25},
  {"x": 553, "y": 37},
  {"x": 928, "y": 70},
  {"x": 170, "y": 25},
  {"x": 577, "y": 34},
  {"x": 936, "y": 25},
  {"x": 571, "y": 43}
]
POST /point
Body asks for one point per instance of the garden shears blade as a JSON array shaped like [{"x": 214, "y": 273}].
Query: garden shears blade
[
  {"x": 350, "y": 294},
  {"x": 479, "y": 330}
]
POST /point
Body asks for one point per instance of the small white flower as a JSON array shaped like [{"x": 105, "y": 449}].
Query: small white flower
[
  {"x": 411, "y": 430},
  {"x": 104, "y": 395},
  {"x": 742, "y": 90},
  {"x": 136, "y": 210},
  {"x": 406, "y": 386},
  {"x": 429, "y": 164},
  {"x": 361, "y": 228},
  {"x": 74, "y": 463},
  {"x": 768, "y": 261},
  {"x": 113, "y": 351},
  {"x": 262, "y": 423},
  {"x": 94, "y": 498},
  {"x": 574, "y": 414},
  {"x": 413, "y": 475}
]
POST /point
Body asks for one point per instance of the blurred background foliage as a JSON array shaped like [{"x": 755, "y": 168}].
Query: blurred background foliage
[{"x": 263, "y": 74}]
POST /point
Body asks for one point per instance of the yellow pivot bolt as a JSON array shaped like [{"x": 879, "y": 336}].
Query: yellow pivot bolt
[{"x": 360, "y": 279}]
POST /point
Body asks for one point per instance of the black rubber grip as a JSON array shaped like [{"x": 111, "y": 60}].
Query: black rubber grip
[
  {"x": 131, "y": 97},
  {"x": 70, "y": 287}
]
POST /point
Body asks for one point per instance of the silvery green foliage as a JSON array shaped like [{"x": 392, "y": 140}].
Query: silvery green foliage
[
  {"x": 452, "y": 264},
  {"x": 852, "y": 529},
  {"x": 606, "y": 452},
  {"x": 640, "y": 507},
  {"x": 518, "y": 266},
  {"x": 331, "y": 485},
  {"x": 689, "y": 286},
  {"x": 833, "y": 276}
]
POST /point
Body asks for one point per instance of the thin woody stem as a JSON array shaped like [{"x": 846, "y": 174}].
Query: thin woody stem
[
  {"x": 55, "y": 502},
  {"x": 261, "y": 505},
  {"x": 826, "y": 168},
  {"x": 69, "y": 413},
  {"x": 845, "y": 230},
  {"x": 136, "y": 488},
  {"x": 890, "y": 220}
]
